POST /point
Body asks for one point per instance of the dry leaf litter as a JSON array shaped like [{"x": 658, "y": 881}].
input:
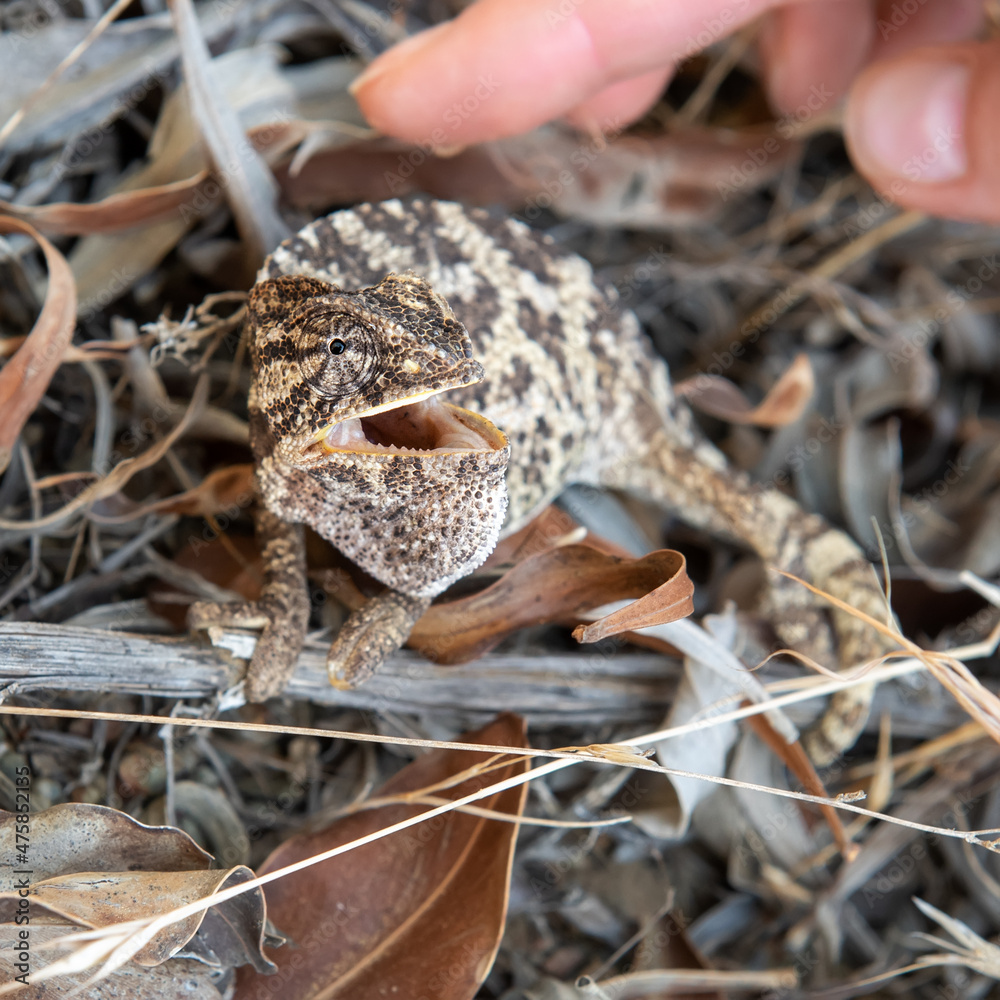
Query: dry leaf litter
[{"x": 831, "y": 343}]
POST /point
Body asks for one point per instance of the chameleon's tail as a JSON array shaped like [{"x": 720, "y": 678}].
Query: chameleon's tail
[{"x": 697, "y": 483}]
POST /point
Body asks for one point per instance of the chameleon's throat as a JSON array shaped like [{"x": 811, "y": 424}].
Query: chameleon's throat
[{"x": 422, "y": 425}]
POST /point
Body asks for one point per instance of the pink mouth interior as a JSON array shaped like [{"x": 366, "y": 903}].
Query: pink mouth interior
[{"x": 427, "y": 425}]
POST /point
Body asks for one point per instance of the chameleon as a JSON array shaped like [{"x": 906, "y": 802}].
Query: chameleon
[{"x": 426, "y": 378}]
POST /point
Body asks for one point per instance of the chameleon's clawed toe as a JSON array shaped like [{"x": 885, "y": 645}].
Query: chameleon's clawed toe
[
  {"x": 236, "y": 614},
  {"x": 282, "y": 624},
  {"x": 370, "y": 635}
]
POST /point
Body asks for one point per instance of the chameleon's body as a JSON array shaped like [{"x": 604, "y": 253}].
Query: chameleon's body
[{"x": 569, "y": 378}]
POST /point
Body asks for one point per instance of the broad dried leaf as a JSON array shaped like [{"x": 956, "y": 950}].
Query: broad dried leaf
[
  {"x": 92, "y": 866},
  {"x": 784, "y": 404},
  {"x": 416, "y": 914},
  {"x": 122, "y": 64},
  {"x": 903, "y": 376},
  {"x": 218, "y": 491},
  {"x": 26, "y": 376},
  {"x": 550, "y": 528},
  {"x": 249, "y": 80},
  {"x": 650, "y": 183},
  {"x": 668, "y": 602},
  {"x": 180, "y": 979},
  {"x": 554, "y": 585},
  {"x": 75, "y": 837},
  {"x": 229, "y": 934}
]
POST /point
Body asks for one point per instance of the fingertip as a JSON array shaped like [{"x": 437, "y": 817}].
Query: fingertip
[
  {"x": 909, "y": 119},
  {"x": 377, "y": 87},
  {"x": 922, "y": 128},
  {"x": 812, "y": 51}
]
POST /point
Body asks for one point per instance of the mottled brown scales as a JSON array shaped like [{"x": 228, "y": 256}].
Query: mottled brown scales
[{"x": 359, "y": 321}]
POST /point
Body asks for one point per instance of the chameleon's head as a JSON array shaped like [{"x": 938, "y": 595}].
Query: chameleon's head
[
  {"x": 336, "y": 370},
  {"x": 348, "y": 384}
]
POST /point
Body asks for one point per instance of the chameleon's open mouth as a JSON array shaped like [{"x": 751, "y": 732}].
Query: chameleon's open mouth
[{"x": 418, "y": 424}]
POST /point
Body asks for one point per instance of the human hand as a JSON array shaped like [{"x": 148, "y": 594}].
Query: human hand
[{"x": 919, "y": 123}]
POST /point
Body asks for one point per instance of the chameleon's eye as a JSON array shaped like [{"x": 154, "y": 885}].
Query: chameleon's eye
[{"x": 338, "y": 352}]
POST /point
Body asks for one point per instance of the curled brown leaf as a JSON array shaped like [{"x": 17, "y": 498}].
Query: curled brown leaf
[
  {"x": 784, "y": 404},
  {"x": 122, "y": 210},
  {"x": 26, "y": 376},
  {"x": 554, "y": 585}
]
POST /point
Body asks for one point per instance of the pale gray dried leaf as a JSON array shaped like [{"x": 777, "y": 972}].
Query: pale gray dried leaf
[
  {"x": 125, "y": 62},
  {"x": 807, "y": 454},
  {"x": 778, "y": 825},
  {"x": 178, "y": 979},
  {"x": 321, "y": 94},
  {"x": 803, "y": 455},
  {"x": 75, "y": 837},
  {"x": 666, "y": 812},
  {"x": 903, "y": 377},
  {"x": 870, "y": 462},
  {"x": 106, "y": 265},
  {"x": 210, "y": 813},
  {"x": 983, "y": 551},
  {"x": 248, "y": 185},
  {"x": 127, "y": 56}
]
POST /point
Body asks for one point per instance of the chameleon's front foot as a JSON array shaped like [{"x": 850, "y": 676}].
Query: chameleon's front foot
[
  {"x": 281, "y": 611},
  {"x": 370, "y": 635}
]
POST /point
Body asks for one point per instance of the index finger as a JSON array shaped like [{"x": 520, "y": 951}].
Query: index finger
[{"x": 505, "y": 66}]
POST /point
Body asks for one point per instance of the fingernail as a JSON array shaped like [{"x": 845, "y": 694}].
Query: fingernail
[
  {"x": 390, "y": 59},
  {"x": 912, "y": 120}
]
